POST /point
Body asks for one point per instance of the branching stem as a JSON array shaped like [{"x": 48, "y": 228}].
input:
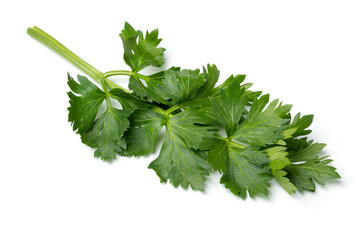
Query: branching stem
[
  {"x": 126, "y": 73},
  {"x": 63, "y": 51}
]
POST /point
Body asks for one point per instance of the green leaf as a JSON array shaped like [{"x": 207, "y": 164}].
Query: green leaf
[
  {"x": 203, "y": 107},
  {"x": 308, "y": 153},
  {"x": 279, "y": 160},
  {"x": 297, "y": 127},
  {"x": 139, "y": 51},
  {"x": 261, "y": 126},
  {"x": 180, "y": 164},
  {"x": 143, "y": 91},
  {"x": 218, "y": 156},
  {"x": 178, "y": 160},
  {"x": 301, "y": 123},
  {"x": 238, "y": 78},
  {"x": 296, "y": 144},
  {"x": 229, "y": 105},
  {"x": 244, "y": 169},
  {"x": 145, "y": 125},
  {"x": 305, "y": 174},
  {"x": 284, "y": 182},
  {"x": 261, "y": 140},
  {"x": 127, "y": 100},
  {"x": 211, "y": 77},
  {"x": 85, "y": 107},
  {"x": 180, "y": 86},
  {"x": 201, "y": 103},
  {"x": 107, "y": 133},
  {"x": 192, "y": 129},
  {"x": 288, "y": 133},
  {"x": 245, "y": 172}
]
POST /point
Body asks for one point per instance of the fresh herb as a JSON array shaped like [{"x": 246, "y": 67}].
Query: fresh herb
[{"x": 260, "y": 142}]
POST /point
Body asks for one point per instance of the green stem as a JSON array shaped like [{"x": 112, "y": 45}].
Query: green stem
[
  {"x": 111, "y": 85},
  {"x": 104, "y": 87},
  {"x": 159, "y": 110},
  {"x": 146, "y": 78},
  {"x": 118, "y": 72},
  {"x": 230, "y": 142},
  {"x": 53, "y": 44},
  {"x": 222, "y": 138},
  {"x": 126, "y": 73},
  {"x": 63, "y": 51},
  {"x": 173, "y": 108},
  {"x": 235, "y": 144}
]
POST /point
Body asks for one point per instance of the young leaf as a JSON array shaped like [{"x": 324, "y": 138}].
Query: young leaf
[
  {"x": 308, "y": 153},
  {"x": 292, "y": 131},
  {"x": 211, "y": 77},
  {"x": 301, "y": 124},
  {"x": 238, "y": 78},
  {"x": 139, "y": 51},
  {"x": 296, "y": 144},
  {"x": 278, "y": 160},
  {"x": 303, "y": 175},
  {"x": 278, "y": 157},
  {"x": 300, "y": 176},
  {"x": 280, "y": 176}
]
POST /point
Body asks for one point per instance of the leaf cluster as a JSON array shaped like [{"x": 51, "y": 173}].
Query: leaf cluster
[{"x": 228, "y": 128}]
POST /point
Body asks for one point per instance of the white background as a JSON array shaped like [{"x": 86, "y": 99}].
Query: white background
[{"x": 306, "y": 53}]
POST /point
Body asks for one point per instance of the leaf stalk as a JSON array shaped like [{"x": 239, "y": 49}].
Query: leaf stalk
[{"x": 63, "y": 51}]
